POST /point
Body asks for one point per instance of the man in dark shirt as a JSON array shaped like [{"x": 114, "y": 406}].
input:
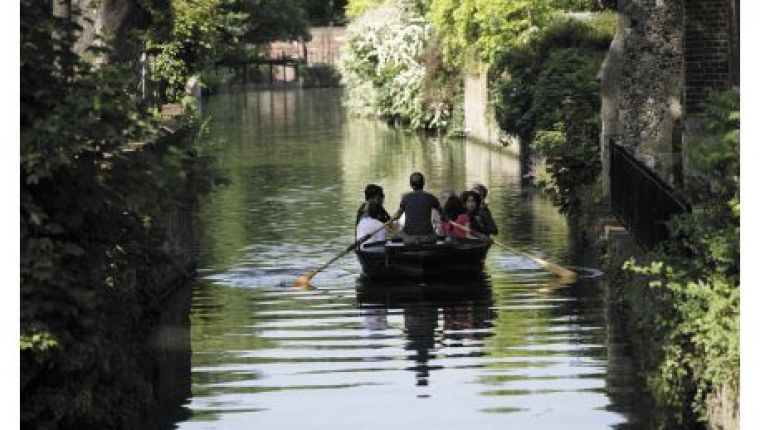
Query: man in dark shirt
[{"x": 418, "y": 206}]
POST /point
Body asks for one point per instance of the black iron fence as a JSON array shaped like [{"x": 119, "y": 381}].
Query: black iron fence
[{"x": 641, "y": 200}]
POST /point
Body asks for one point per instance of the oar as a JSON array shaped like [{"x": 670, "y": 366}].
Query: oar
[
  {"x": 564, "y": 273},
  {"x": 305, "y": 281}
]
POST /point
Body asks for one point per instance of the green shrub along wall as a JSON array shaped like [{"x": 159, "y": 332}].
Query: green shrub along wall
[
  {"x": 681, "y": 300},
  {"x": 547, "y": 92},
  {"x": 107, "y": 198},
  {"x": 90, "y": 291}
]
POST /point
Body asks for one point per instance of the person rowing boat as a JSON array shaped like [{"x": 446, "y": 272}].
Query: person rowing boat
[{"x": 417, "y": 207}]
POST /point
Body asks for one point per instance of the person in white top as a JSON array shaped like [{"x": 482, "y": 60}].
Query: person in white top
[{"x": 369, "y": 223}]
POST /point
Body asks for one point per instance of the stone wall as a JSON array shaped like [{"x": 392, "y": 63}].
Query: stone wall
[
  {"x": 109, "y": 18},
  {"x": 647, "y": 89},
  {"x": 479, "y": 121},
  {"x": 665, "y": 58}
]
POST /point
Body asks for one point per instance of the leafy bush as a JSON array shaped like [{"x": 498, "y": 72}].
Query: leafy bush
[
  {"x": 92, "y": 200},
  {"x": 484, "y": 29},
  {"x": 320, "y": 77},
  {"x": 207, "y": 31},
  {"x": 383, "y": 70},
  {"x": 695, "y": 277},
  {"x": 202, "y": 31},
  {"x": 443, "y": 89},
  {"x": 584, "y": 5},
  {"x": 547, "y": 92}
]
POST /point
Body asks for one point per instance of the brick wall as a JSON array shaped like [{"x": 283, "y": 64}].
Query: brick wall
[
  {"x": 323, "y": 48},
  {"x": 709, "y": 43}
]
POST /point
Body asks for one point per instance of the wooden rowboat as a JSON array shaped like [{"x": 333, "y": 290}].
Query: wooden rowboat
[{"x": 446, "y": 257}]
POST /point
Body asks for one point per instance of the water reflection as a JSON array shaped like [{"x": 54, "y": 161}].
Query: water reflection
[
  {"x": 169, "y": 346},
  {"x": 511, "y": 349},
  {"x": 460, "y": 308}
]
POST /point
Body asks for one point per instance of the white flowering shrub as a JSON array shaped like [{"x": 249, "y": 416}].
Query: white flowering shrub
[{"x": 382, "y": 69}]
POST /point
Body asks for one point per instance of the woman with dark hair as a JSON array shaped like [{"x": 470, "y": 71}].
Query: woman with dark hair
[
  {"x": 373, "y": 192},
  {"x": 370, "y": 221},
  {"x": 455, "y": 210},
  {"x": 472, "y": 202}
]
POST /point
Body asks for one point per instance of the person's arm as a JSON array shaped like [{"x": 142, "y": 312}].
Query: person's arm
[
  {"x": 400, "y": 210},
  {"x": 486, "y": 221},
  {"x": 441, "y": 213},
  {"x": 385, "y": 215}
]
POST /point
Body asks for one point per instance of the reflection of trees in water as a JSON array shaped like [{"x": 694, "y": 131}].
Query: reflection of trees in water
[{"x": 169, "y": 357}]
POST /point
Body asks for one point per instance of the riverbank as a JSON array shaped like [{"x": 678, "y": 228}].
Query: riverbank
[
  {"x": 112, "y": 168},
  {"x": 536, "y": 88},
  {"x": 93, "y": 357}
]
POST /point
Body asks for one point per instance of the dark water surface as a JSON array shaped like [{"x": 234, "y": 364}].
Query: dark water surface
[{"x": 510, "y": 351}]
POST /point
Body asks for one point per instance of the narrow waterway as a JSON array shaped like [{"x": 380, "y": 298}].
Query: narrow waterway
[{"x": 512, "y": 350}]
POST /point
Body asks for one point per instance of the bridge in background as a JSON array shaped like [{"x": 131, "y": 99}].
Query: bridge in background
[{"x": 283, "y": 59}]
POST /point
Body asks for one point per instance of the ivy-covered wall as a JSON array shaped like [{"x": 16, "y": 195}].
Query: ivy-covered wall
[{"x": 86, "y": 360}]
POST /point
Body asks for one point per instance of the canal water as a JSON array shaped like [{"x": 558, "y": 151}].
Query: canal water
[{"x": 513, "y": 350}]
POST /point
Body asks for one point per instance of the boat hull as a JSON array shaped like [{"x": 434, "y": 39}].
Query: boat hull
[{"x": 451, "y": 257}]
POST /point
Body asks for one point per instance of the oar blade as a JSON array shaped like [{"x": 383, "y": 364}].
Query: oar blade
[
  {"x": 565, "y": 274},
  {"x": 303, "y": 282}
]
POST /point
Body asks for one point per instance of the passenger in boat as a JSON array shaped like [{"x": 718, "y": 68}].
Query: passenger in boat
[
  {"x": 375, "y": 193},
  {"x": 445, "y": 194},
  {"x": 484, "y": 213},
  {"x": 435, "y": 218},
  {"x": 370, "y": 221},
  {"x": 472, "y": 203},
  {"x": 417, "y": 206},
  {"x": 455, "y": 209}
]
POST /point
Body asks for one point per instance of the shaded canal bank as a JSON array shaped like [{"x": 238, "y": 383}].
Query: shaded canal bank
[
  {"x": 118, "y": 237},
  {"x": 513, "y": 349}
]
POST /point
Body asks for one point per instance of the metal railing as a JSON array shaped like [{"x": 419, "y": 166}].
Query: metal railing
[{"x": 641, "y": 200}]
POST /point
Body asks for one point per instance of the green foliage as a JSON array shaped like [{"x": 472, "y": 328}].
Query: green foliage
[
  {"x": 202, "y": 30},
  {"x": 695, "y": 276},
  {"x": 276, "y": 20},
  {"x": 443, "y": 89},
  {"x": 93, "y": 201},
  {"x": 547, "y": 92},
  {"x": 357, "y": 8},
  {"x": 584, "y": 5},
  {"x": 383, "y": 68},
  {"x": 325, "y": 12},
  {"x": 207, "y": 31},
  {"x": 485, "y": 28},
  {"x": 319, "y": 77}
]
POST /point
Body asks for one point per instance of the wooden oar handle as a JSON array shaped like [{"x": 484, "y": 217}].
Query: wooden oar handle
[
  {"x": 552, "y": 267},
  {"x": 349, "y": 248},
  {"x": 469, "y": 230}
]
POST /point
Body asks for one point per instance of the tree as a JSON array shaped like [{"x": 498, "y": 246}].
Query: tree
[{"x": 483, "y": 28}]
